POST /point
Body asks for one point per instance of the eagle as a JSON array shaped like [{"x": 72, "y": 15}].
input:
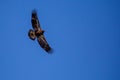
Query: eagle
[{"x": 37, "y": 32}]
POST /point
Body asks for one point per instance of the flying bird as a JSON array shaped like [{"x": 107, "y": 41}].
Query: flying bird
[{"x": 37, "y": 32}]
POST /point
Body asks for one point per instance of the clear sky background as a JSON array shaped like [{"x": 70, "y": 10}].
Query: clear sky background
[{"x": 85, "y": 36}]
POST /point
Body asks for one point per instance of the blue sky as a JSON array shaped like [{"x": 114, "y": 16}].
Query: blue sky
[{"x": 85, "y": 36}]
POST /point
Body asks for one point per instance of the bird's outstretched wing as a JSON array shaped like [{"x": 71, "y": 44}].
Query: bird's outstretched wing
[
  {"x": 43, "y": 43},
  {"x": 35, "y": 21}
]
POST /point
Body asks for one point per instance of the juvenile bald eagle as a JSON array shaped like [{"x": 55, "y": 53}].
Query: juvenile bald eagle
[{"x": 37, "y": 32}]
